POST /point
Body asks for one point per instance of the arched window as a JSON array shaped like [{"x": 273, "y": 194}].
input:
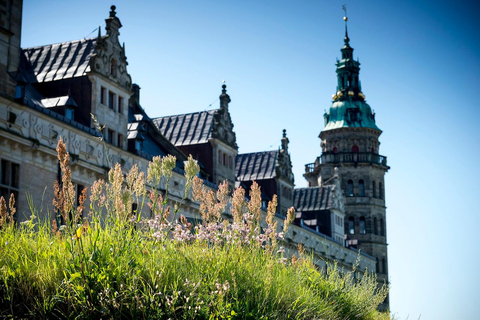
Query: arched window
[
  {"x": 380, "y": 190},
  {"x": 375, "y": 231},
  {"x": 224, "y": 159},
  {"x": 350, "y": 188},
  {"x": 361, "y": 188},
  {"x": 362, "y": 226},
  {"x": 351, "y": 225},
  {"x": 382, "y": 228},
  {"x": 355, "y": 149},
  {"x": 374, "y": 189}
]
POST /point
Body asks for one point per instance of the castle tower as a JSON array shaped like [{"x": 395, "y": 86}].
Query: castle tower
[{"x": 349, "y": 142}]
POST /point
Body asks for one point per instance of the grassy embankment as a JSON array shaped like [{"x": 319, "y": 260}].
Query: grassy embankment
[{"x": 113, "y": 265}]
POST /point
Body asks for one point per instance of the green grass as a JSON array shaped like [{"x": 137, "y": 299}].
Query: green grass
[{"x": 122, "y": 269}]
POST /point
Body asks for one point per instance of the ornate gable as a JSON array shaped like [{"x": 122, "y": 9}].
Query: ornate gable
[
  {"x": 109, "y": 58},
  {"x": 284, "y": 164},
  {"x": 223, "y": 125}
]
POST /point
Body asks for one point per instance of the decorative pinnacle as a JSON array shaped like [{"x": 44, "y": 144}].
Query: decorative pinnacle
[
  {"x": 224, "y": 87},
  {"x": 284, "y": 133},
  {"x": 113, "y": 13},
  {"x": 345, "y": 18}
]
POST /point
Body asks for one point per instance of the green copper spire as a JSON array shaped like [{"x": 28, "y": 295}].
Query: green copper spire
[{"x": 349, "y": 108}]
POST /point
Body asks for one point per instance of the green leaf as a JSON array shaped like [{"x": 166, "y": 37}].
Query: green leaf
[{"x": 75, "y": 275}]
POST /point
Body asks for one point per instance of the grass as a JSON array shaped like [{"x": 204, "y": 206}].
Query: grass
[{"x": 113, "y": 266}]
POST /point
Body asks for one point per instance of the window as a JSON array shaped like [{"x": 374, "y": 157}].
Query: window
[
  {"x": 350, "y": 188},
  {"x": 109, "y": 135},
  {"x": 9, "y": 179},
  {"x": 384, "y": 266},
  {"x": 361, "y": 188},
  {"x": 382, "y": 228},
  {"x": 120, "y": 104},
  {"x": 335, "y": 150},
  {"x": 120, "y": 141},
  {"x": 380, "y": 190},
  {"x": 102, "y": 95},
  {"x": 113, "y": 67},
  {"x": 351, "y": 225},
  {"x": 230, "y": 162},
  {"x": 111, "y": 100},
  {"x": 219, "y": 156},
  {"x": 362, "y": 226},
  {"x": 224, "y": 159},
  {"x": 375, "y": 230},
  {"x": 355, "y": 149},
  {"x": 374, "y": 189}
]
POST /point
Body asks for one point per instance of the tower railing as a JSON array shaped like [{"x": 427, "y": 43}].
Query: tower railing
[{"x": 347, "y": 157}]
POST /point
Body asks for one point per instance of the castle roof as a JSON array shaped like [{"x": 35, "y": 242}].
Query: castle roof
[
  {"x": 61, "y": 60},
  {"x": 313, "y": 198},
  {"x": 187, "y": 129},
  {"x": 256, "y": 166}
]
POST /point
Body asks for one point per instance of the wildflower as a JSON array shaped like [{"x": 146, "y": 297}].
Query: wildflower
[
  {"x": 191, "y": 168},
  {"x": 289, "y": 219}
]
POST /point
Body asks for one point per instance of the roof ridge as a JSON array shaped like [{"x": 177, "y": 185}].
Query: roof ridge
[
  {"x": 185, "y": 114},
  {"x": 257, "y": 152},
  {"x": 64, "y": 42}
]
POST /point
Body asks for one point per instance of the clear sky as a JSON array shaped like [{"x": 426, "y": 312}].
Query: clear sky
[{"x": 419, "y": 71}]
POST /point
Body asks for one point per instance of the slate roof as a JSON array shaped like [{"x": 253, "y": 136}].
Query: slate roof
[
  {"x": 187, "y": 129},
  {"x": 256, "y": 166},
  {"x": 61, "y": 60},
  {"x": 313, "y": 198}
]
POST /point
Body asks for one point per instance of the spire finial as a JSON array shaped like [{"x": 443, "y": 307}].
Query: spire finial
[
  {"x": 224, "y": 97},
  {"x": 113, "y": 13},
  {"x": 284, "y": 133},
  {"x": 345, "y": 18}
]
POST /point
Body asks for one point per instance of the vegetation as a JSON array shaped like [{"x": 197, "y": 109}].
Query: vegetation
[{"x": 105, "y": 263}]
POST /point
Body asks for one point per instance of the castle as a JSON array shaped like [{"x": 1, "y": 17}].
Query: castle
[{"x": 50, "y": 91}]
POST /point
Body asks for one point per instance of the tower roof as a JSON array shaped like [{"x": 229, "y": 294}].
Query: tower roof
[{"x": 349, "y": 109}]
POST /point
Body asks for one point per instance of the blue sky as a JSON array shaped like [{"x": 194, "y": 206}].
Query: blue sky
[{"x": 420, "y": 72}]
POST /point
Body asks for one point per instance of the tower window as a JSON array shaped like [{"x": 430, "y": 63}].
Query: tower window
[
  {"x": 375, "y": 231},
  {"x": 384, "y": 266},
  {"x": 362, "y": 225},
  {"x": 380, "y": 190},
  {"x": 382, "y": 228},
  {"x": 350, "y": 188},
  {"x": 230, "y": 162},
  {"x": 219, "y": 156},
  {"x": 351, "y": 225},
  {"x": 361, "y": 188},
  {"x": 374, "y": 189}
]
